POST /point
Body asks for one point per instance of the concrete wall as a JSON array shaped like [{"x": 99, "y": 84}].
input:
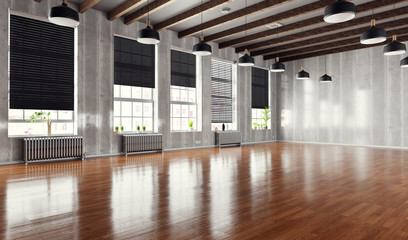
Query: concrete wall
[
  {"x": 364, "y": 105},
  {"x": 95, "y": 85}
]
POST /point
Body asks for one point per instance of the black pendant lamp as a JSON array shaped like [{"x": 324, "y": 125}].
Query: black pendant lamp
[
  {"x": 246, "y": 60},
  {"x": 303, "y": 75},
  {"x": 278, "y": 66},
  {"x": 325, "y": 78},
  {"x": 395, "y": 47},
  {"x": 202, "y": 48},
  {"x": 373, "y": 35},
  {"x": 148, "y": 35},
  {"x": 64, "y": 16},
  {"x": 404, "y": 63},
  {"x": 340, "y": 11}
]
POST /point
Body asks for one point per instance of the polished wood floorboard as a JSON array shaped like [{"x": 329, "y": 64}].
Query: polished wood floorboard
[{"x": 263, "y": 191}]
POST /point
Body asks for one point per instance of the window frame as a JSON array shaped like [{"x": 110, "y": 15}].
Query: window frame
[{"x": 255, "y": 119}]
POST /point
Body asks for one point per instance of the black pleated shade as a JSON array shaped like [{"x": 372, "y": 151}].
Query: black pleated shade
[
  {"x": 325, "y": 78},
  {"x": 246, "y": 61},
  {"x": 303, "y": 75},
  {"x": 148, "y": 35},
  {"x": 404, "y": 63},
  {"x": 278, "y": 66},
  {"x": 202, "y": 49},
  {"x": 395, "y": 48},
  {"x": 373, "y": 35}
]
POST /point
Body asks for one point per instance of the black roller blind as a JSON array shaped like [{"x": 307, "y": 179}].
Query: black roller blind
[
  {"x": 41, "y": 65},
  {"x": 259, "y": 88},
  {"x": 134, "y": 63},
  {"x": 183, "y": 69},
  {"x": 221, "y": 92}
]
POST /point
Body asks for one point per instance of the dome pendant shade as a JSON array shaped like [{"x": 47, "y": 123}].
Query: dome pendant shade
[
  {"x": 395, "y": 47},
  {"x": 202, "y": 48},
  {"x": 303, "y": 75},
  {"x": 325, "y": 78},
  {"x": 278, "y": 66},
  {"x": 148, "y": 35},
  {"x": 404, "y": 63},
  {"x": 340, "y": 11},
  {"x": 64, "y": 16},
  {"x": 246, "y": 60},
  {"x": 373, "y": 35}
]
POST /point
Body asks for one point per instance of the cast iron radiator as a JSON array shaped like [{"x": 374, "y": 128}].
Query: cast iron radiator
[
  {"x": 227, "y": 138},
  {"x": 142, "y": 143},
  {"x": 41, "y": 149}
]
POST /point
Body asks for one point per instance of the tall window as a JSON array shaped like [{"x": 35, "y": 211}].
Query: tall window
[
  {"x": 41, "y": 76},
  {"x": 183, "y": 95},
  {"x": 222, "y": 95},
  {"x": 260, "y": 92},
  {"x": 134, "y": 84}
]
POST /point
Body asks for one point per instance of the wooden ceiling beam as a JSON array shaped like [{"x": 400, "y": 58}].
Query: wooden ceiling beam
[
  {"x": 326, "y": 46},
  {"x": 87, "y": 4},
  {"x": 273, "y": 52},
  {"x": 255, "y": 8},
  {"x": 311, "y": 7},
  {"x": 124, "y": 8},
  {"x": 357, "y": 46},
  {"x": 326, "y": 29},
  {"x": 148, "y": 9},
  {"x": 305, "y": 23},
  {"x": 184, "y": 16}
]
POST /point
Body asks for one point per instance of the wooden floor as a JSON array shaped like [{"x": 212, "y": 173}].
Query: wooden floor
[{"x": 264, "y": 191}]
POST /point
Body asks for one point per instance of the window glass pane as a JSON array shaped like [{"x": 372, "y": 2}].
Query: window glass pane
[
  {"x": 175, "y": 94},
  {"x": 184, "y": 111},
  {"x": 192, "y": 112},
  {"x": 62, "y": 128},
  {"x": 126, "y": 123},
  {"x": 253, "y": 113},
  {"x": 65, "y": 115},
  {"x": 116, "y": 91},
  {"x": 137, "y": 92},
  {"x": 116, "y": 122},
  {"x": 184, "y": 124},
  {"x": 126, "y": 92},
  {"x": 176, "y": 124},
  {"x": 116, "y": 108},
  {"x": 183, "y": 95},
  {"x": 191, "y": 95},
  {"x": 147, "y": 93},
  {"x": 148, "y": 123},
  {"x": 126, "y": 109},
  {"x": 53, "y": 114},
  {"x": 176, "y": 110},
  {"x": 27, "y": 128},
  {"x": 137, "y": 109},
  {"x": 147, "y": 109},
  {"x": 137, "y": 122},
  {"x": 16, "y": 114},
  {"x": 28, "y": 113}
]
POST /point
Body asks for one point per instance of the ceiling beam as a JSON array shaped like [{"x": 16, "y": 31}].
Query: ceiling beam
[
  {"x": 148, "y": 9},
  {"x": 326, "y": 46},
  {"x": 326, "y": 29},
  {"x": 305, "y": 23},
  {"x": 311, "y": 7},
  {"x": 401, "y": 38},
  {"x": 37, "y": 1},
  {"x": 184, "y": 16},
  {"x": 258, "y": 7},
  {"x": 87, "y": 4},
  {"x": 278, "y": 50},
  {"x": 124, "y": 8}
]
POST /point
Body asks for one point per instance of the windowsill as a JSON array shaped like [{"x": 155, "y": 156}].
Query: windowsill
[
  {"x": 28, "y": 136},
  {"x": 185, "y": 131},
  {"x": 224, "y": 131},
  {"x": 127, "y": 133},
  {"x": 261, "y": 129}
]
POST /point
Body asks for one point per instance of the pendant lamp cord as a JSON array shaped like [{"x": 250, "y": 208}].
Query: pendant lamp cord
[
  {"x": 277, "y": 53},
  {"x": 148, "y": 14},
  {"x": 302, "y": 51},
  {"x": 202, "y": 19},
  {"x": 246, "y": 16},
  {"x": 395, "y": 29}
]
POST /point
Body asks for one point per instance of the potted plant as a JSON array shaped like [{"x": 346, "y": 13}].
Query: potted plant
[
  {"x": 144, "y": 128},
  {"x": 266, "y": 115},
  {"x": 116, "y": 130},
  {"x": 258, "y": 125},
  {"x": 138, "y": 128},
  {"x": 190, "y": 125},
  {"x": 42, "y": 116},
  {"x": 121, "y": 129}
]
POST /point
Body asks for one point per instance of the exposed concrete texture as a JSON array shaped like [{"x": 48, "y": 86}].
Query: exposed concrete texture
[
  {"x": 364, "y": 105},
  {"x": 95, "y": 85}
]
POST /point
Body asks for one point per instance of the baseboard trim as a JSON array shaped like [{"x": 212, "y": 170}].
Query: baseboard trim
[
  {"x": 251, "y": 143},
  {"x": 348, "y": 145},
  {"x": 188, "y": 148},
  {"x": 11, "y": 163}
]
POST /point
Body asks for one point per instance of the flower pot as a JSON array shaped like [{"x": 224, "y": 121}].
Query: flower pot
[
  {"x": 49, "y": 124},
  {"x": 266, "y": 127},
  {"x": 191, "y": 129},
  {"x": 116, "y": 131}
]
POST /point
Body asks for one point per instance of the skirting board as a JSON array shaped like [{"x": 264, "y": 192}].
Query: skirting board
[{"x": 345, "y": 144}]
